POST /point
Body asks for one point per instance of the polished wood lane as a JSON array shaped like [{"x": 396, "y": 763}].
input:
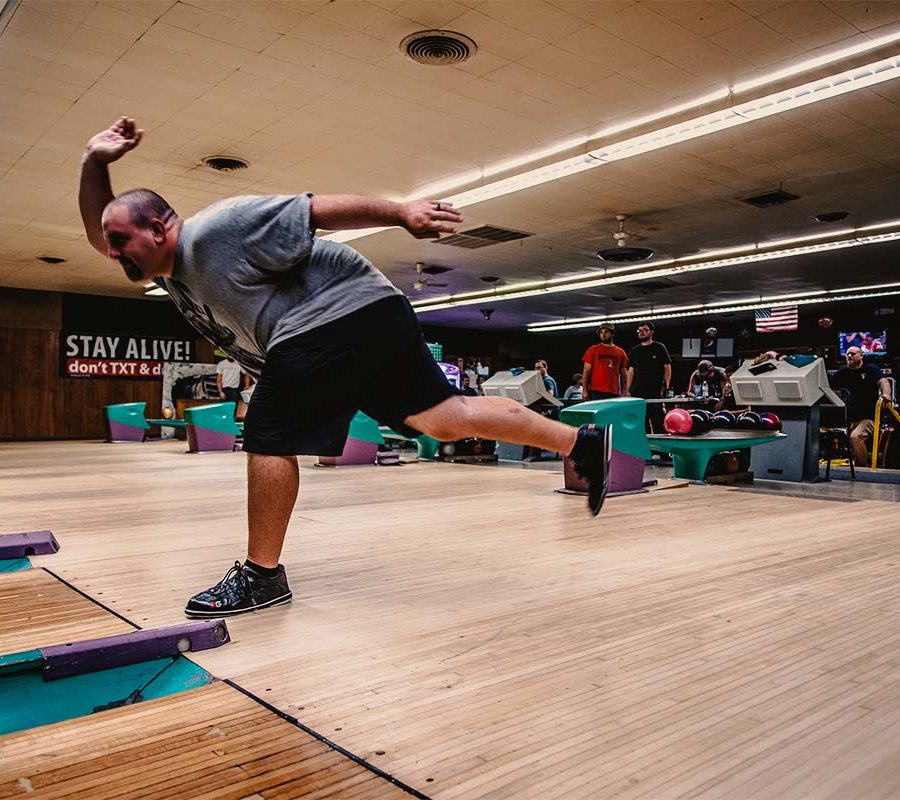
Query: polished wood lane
[
  {"x": 207, "y": 744},
  {"x": 477, "y": 635}
]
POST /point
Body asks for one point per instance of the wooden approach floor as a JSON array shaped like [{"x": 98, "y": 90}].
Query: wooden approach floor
[{"x": 476, "y": 635}]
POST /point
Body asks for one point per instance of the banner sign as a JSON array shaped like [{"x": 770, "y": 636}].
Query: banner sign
[{"x": 98, "y": 355}]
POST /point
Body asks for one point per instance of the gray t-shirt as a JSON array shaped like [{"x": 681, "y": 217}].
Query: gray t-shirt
[{"x": 249, "y": 273}]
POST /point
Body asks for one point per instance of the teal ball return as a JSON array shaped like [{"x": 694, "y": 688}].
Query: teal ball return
[{"x": 691, "y": 454}]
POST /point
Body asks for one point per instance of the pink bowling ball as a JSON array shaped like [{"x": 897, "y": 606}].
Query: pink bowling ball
[{"x": 678, "y": 422}]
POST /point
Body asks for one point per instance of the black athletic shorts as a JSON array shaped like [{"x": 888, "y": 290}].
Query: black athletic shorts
[{"x": 374, "y": 360}]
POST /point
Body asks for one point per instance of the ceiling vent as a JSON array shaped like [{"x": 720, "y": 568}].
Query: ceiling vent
[
  {"x": 225, "y": 163},
  {"x": 832, "y": 216},
  {"x": 51, "y": 259},
  {"x": 769, "y": 199},
  {"x": 484, "y": 236},
  {"x": 438, "y": 48},
  {"x": 435, "y": 269}
]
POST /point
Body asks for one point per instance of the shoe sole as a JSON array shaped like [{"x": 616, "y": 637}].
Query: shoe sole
[
  {"x": 607, "y": 450},
  {"x": 278, "y": 601}
]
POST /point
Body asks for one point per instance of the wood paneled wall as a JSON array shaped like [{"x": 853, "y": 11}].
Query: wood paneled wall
[{"x": 36, "y": 402}]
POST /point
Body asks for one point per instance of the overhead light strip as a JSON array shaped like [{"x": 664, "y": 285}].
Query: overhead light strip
[
  {"x": 812, "y": 92},
  {"x": 833, "y": 296},
  {"x": 593, "y": 280}
]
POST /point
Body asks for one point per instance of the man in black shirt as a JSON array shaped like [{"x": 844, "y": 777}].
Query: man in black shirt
[
  {"x": 649, "y": 374},
  {"x": 863, "y": 383}
]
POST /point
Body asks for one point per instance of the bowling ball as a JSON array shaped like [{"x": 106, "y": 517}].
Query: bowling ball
[
  {"x": 712, "y": 333},
  {"x": 730, "y": 462},
  {"x": 723, "y": 419},
  {"x": 168, "y": 413},
  {"x": 700, "y": 423},
  {"x": 749, "y": 420},
  {"x": 678, "y": 422},
  {"x": 770, "y": 421},
  {"x": 704, "y": 414}
]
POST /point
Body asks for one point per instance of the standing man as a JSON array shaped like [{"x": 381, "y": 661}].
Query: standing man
[
  {"x": 605, "y": 369},
  {"x": 297, "y": 311},
  {"x": 649, "y": 374},
  {"x": 549, "y": 382},
  {"x": 228, "y": 380},
  {"x": 864, "y": 383}
]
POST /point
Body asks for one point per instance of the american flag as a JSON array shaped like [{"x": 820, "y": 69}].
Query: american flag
[{"x": 769, "y": 320}]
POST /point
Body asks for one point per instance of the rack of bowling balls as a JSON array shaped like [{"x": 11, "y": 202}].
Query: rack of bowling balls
[{"x": 695, "y": 422}]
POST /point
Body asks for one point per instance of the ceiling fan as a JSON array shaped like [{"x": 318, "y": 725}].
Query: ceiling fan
[
  {"x": 622, "y": 253},
  {"x": 423, "y": 281}
]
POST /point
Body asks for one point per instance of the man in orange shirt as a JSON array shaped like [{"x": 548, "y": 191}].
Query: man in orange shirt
[{"x": 605, "y": 366}]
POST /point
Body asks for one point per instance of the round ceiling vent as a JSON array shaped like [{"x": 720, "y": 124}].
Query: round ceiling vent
[
  {"x": 225, "y": 163},
  {"x": 438, "y": 48}
]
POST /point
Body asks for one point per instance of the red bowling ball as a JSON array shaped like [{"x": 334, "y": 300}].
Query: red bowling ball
[{"x": 678, "y": 422}]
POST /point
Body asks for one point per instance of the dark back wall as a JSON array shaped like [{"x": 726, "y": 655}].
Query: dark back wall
[
  {"x": 36, "y": 402},
  {"x": 563, "y": 351}
]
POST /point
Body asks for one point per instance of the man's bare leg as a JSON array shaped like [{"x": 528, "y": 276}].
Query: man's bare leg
[
  {"x": 272, "y": 486},
  {"x": 457, "y": 417},
  {"x": 494, "y": 418},
  {"x": 260, "y": 582}
]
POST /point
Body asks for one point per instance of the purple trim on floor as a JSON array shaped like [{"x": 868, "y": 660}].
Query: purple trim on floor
[
  {"x": 77, "y": 658},
  {"x": 28, "y": 543}
]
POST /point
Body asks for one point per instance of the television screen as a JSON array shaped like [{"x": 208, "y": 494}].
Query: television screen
[{"x": 872, "y": 343}]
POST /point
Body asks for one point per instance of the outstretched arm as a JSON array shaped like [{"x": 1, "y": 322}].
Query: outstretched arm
[
  {"x": 424, "y": 219},
  {"x": 95, "y": 190}
]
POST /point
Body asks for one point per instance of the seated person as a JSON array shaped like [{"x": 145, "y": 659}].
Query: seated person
[
  {"x": 575, "y": 391},
  {"x": 863, "y": 383},
  {"x": 715, "y": 378}
]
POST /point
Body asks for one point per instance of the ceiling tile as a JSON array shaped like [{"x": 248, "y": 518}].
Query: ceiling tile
[
  {"x": 702, "y": 18},
  {"x": 213, "y": 25},
  {"x": 808, "y": 24},
  {"x": 539, "y": 19},
  {"x": 562, "y": 65},
  {"x": 497, "y": 37}
]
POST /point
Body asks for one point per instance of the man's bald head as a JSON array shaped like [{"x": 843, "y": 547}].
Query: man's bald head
[{"x": 144, "y": 206}]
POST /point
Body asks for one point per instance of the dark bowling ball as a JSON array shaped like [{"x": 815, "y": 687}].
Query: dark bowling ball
[
  {"x": 699, "y": 423},
  {"x": 749, "y": 420},
  {"x": 716, "y": 465},
  {"x": 707, "y": 415},
  {"x": 731, "y": 462},
  {"x": 723, "y": 419},
  {"x": 770, "y": 421}
]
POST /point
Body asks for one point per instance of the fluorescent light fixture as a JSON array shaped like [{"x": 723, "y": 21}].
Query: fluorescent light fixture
[
  {"x": 603, "y": 278},
  {"x": 831, "y": 57},
  {"x": 828, "y": 295},
  {"x": 776, "y": 103}
]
